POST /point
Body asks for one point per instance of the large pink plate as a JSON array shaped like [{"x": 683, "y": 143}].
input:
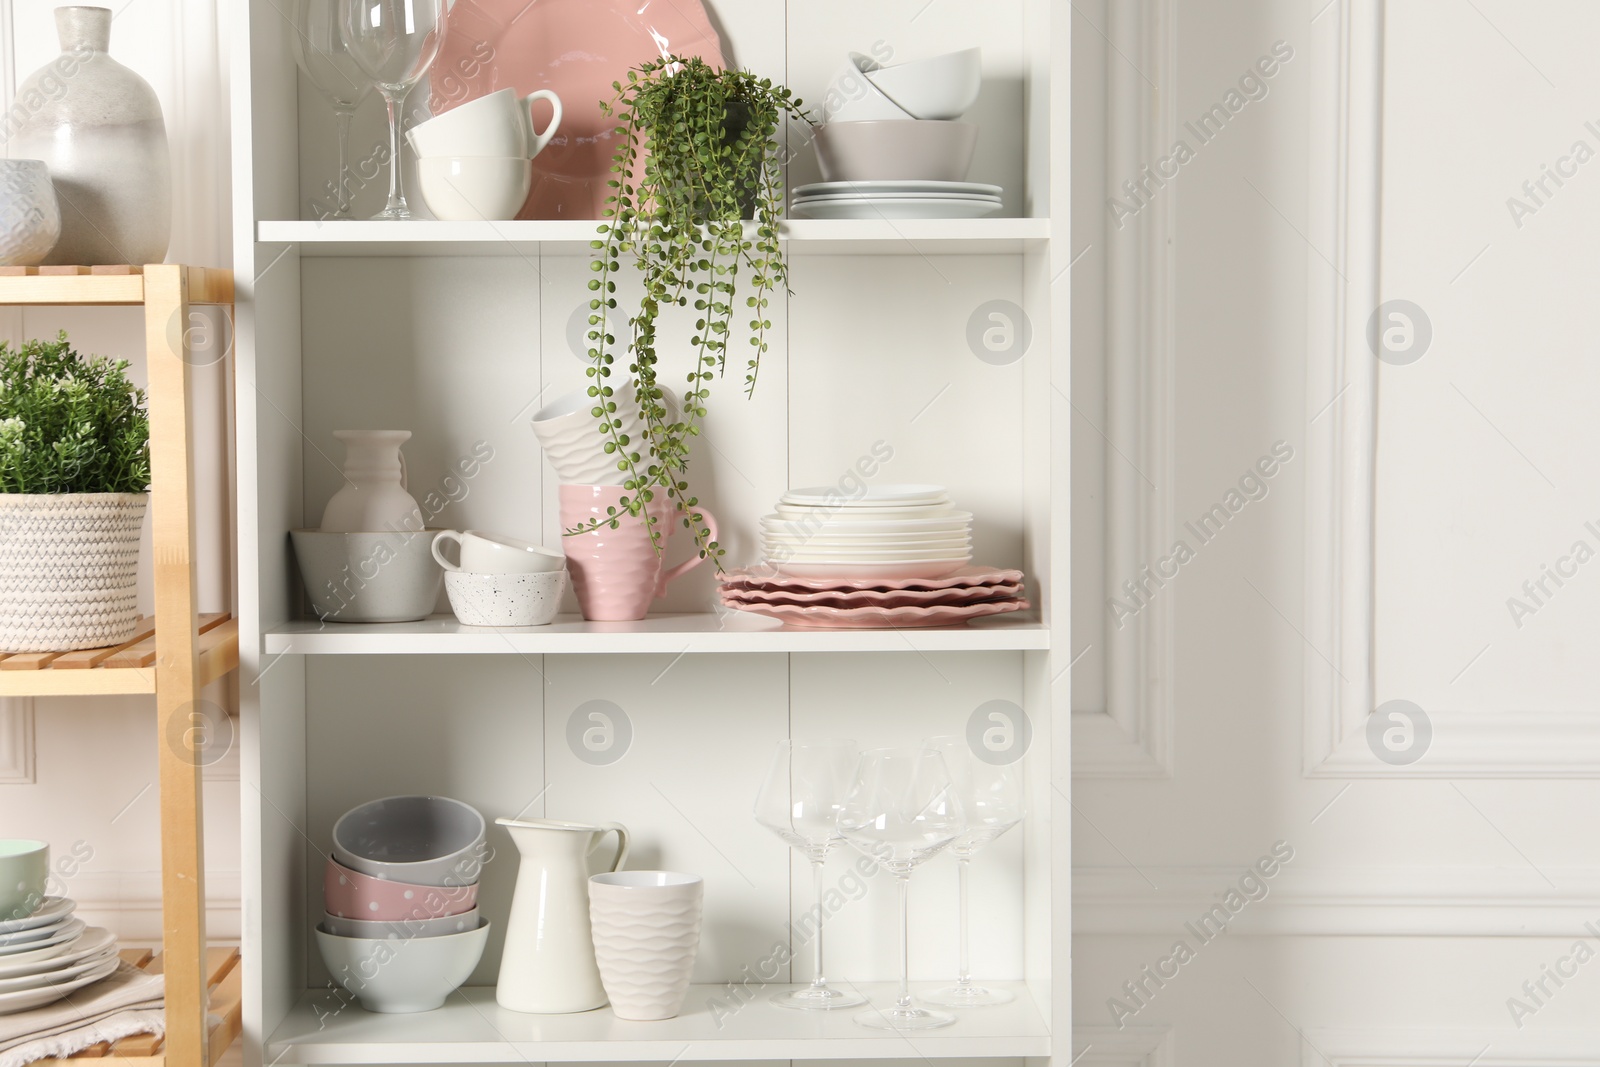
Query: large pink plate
[
  {"x": 577, "y": 48},
  {"x": 762, "y": 577},
  {"x": 879, "y": 618},
  {"x": 872, "y": 598}
]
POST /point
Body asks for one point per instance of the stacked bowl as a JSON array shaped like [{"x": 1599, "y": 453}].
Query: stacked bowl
[
  {"x": 891, "y": 146},
  {"x": 889, "y": 531},
  {"x": 45, "y": 952},
  {"x": 401, "y": 929}
]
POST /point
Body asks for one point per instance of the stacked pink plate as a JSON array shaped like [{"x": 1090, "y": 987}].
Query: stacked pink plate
[{"x": 874, "y": 603}]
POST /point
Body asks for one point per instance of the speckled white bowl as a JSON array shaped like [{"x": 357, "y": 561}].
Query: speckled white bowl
[{"x": 503, "y": 600}]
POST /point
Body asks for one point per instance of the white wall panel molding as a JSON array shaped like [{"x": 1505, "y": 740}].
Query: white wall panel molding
[
  {"x": 1446, "y": 1048},
  {"x": 1132, "y": 1046},
  {"x": 1370, "y": 901},
  {"x": 128, "y": 903},
  {"x": 1343, "y": 268},
  {"x": 16, "y": 741},
  {"x": 1132, "y": 738}
]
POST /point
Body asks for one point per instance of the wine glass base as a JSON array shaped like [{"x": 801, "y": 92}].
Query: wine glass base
[
  {"x": 810, "y": 999},
  {"x": 968, "y": 996},
  {"x": 898, "y": 1018},
  {"x": 398, "y": 214}
]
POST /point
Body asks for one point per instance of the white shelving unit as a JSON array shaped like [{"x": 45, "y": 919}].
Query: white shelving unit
[{"x": 458, "y": 332}]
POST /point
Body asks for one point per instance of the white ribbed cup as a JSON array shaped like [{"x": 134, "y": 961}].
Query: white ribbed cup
[{"x": 646, "y": 934}]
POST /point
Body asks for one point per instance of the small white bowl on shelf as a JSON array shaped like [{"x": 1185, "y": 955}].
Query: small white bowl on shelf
[
  {"x": 401, "y": 977},
  {"x": 505, "y": 600},
  {"x": 939, "y": 87}
]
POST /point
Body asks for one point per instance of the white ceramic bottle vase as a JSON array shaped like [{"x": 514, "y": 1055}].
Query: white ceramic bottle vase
[
  {"x": 98, "y": 127},
  {"x": 373, "y": 498},
  {"x": 548, "y": 965}
]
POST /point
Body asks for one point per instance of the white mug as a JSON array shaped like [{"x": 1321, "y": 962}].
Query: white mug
[
  {"x": 486, "y": 553},
  {"x": 498, "y": 125}
]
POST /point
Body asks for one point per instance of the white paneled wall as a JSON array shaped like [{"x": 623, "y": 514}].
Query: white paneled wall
[
  {"x": 1420, "y": 898},
  {"x": 92, "y": 763}
]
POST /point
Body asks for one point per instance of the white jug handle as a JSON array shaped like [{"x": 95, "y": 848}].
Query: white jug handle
[
  {"x": 542, "y": 139},
  {"x": 622, "y": 842},
  {"x": 446, "y": 535}
]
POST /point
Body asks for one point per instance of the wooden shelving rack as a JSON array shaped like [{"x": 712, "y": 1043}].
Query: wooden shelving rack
[{"x": 174, "y": 655}]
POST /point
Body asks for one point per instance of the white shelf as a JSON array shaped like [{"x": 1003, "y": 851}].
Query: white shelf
[
  {"x": 354, "y": 237},
  {"x": 471, "y": 1028},
  {"x": 734, "y": 631}
]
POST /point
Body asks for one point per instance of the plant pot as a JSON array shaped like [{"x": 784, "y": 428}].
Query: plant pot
[{"x": 69, "y": 569}]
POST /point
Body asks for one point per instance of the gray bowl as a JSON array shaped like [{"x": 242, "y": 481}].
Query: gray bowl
[
  {"x": 369, "y": 577},
  {"x": 896, "y": 150},
  {"x": 421, "y": 840}
]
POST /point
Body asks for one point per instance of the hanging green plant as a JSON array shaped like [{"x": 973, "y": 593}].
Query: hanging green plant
[{"x": 678, "y": 212}]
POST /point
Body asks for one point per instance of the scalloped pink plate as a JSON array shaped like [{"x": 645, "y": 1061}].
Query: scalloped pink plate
[
  {"x": 577, "y": 48},
  {"x": 826, "y": 618},
  {"x": 872, "y": 598},
  {"x": 762, "y": 577}
]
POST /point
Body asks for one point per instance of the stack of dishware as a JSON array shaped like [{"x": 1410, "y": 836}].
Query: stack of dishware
[
  {"x": 501, "y": 581},
  {"x": 370, "y": 561},
  {"x": 475, "y": 161},
  {"x": 889, "y": 531},
  {"x": 45, "y": 952},
  {"x": 891, "y": 146},
  {"x": 401, "y": 929}
]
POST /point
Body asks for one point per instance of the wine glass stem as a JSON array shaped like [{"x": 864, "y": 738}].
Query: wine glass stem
[
  {"x": 342, "y": 193},
  {"x": 397, "y": 198},
  {"x": 965, "y": 977},
  {"x": 818, "y": 982},
  {"x": 904, "y": 1002}
]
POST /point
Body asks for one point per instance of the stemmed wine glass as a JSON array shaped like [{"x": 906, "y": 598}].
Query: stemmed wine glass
[
  {"x": 800, "y": 801},
  {"x": 902, "y": 810},
  {"x": 394, "y": 42},
  {"x": 320, "y": 51},
  {"x": 992, "y": 799}
]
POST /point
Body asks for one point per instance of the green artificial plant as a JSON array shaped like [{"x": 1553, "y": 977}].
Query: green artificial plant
[
  {"x": 696, "y": 153},
  {"x": 70, "y": 424}
]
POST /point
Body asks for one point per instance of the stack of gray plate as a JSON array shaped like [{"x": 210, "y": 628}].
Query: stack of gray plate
[
  {"x": 895, "y": 200},
  {"x": 49, "y": 954}
]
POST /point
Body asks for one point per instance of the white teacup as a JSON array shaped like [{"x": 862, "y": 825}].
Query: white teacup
[
  {"x": 488, "y": 553},
  {"x": 470, "y": 188},
  {"x": 498, "y": 124}
]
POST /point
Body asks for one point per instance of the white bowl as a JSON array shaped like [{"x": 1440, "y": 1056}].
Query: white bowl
[
  {"x": 369, "y": 577},
  {"x": 503, "y": 600},
  {"x": 401, "y": 929},
  {"x": 904, "y": 150},
  {"x": 419, "y": 840},
  {"x": 395, "y": 977},
  {"x": 939, "y": 87},
  {"x": 852, "y": 98},
  {"x": 473, "y": 188}
]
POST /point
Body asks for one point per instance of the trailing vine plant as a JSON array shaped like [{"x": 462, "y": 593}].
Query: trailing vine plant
[{"x": 677, "y": 212}]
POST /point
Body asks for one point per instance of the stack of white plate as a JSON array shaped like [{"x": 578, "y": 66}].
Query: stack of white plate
[
  {"x": 895, "y": 200},
  {"x": 889, "y": 531},
  {"x": 49, "y": 954}
]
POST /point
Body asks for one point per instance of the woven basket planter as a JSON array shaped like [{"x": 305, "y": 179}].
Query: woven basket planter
[{"x": 69, "y": 570}]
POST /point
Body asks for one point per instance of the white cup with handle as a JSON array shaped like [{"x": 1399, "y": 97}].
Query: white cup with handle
[
  {"x": 498, "y": 125},
  {"x": 491, "y": 553}
]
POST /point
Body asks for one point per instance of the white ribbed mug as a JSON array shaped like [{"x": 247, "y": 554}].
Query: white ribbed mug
[{"x": 646, "y": 928}]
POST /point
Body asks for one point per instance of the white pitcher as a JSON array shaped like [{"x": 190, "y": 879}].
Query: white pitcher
[
  {"x": 548, "y": 964},
  {"x": 374, "y": 497}
]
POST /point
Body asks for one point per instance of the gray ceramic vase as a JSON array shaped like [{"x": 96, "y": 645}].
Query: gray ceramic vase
[
  {"x": 97, "y": 125},
  {"x": 30, "y": 222}
]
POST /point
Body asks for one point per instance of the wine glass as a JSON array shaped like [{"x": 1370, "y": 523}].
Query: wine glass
[
  {"x": 992, "y": 799},
  {"x": 394, "y": 42},
  {"x": 902, "y": 810},
  {"x": 319, "y": 50},
  {"x": 800, "y": 803}
]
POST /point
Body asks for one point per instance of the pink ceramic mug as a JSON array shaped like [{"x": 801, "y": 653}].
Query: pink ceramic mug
[{"x": 617, "y": 573}]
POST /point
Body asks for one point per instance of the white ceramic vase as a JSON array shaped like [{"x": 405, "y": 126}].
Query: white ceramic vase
[
  {"x": 646, "y": 936},
  {"x": 97, "y": 125},
  {"x": 374, "y": 496},
  {"x": 30, "y": 218},
  {"x": 548, "y": 965}
]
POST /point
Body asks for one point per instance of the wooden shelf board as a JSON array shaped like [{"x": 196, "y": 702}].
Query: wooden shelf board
[
  {"x": 326, "y": 1027},
  {"x": 103, "y": 284},
  {"x": 733, "y": 631},
  {"x": 573, "y": 237},
  {"x": 128, "y": 668},
  {"x": 226, "y": 1003}
]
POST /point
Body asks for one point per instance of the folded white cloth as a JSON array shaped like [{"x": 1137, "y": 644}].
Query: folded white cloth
[{"x": 127, "y": 1001}]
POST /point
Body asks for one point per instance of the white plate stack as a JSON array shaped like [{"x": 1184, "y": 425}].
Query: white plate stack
[
  {"x": 50, "y": 954},
  {"x": 895, "y": 200},
  {"x": 889, "y": 531}
]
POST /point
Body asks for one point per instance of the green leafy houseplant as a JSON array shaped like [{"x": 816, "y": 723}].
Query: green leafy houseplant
[
  {"x": 678, "y": 213},
  {"x": 70, "y": 424}
]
